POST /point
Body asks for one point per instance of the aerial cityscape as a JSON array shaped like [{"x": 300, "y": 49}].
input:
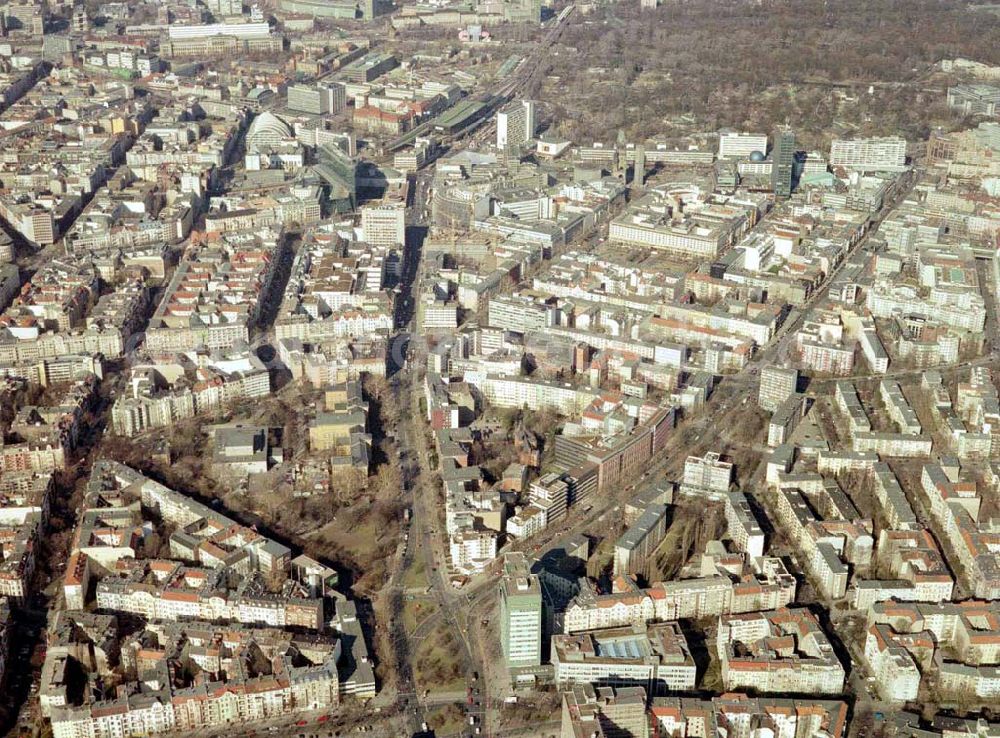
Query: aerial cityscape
[{"x": 509, "y": 368}]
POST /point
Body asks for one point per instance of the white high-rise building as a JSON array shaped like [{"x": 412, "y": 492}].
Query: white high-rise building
[
  {"x": 886, "y": 153},
  {"x": 516, "y": 124},
  {"x": 737, "y": 145},
  {"x": 520, "y": 613},
  {"x": 384, "y": 224}
]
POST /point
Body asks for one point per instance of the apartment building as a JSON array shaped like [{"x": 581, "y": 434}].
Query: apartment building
[
  {"x": 709, "y": 474},
  {"x": 869, "y": 154},
  {"x": 24, "y": 513},
  {"x": 893, "y": 444},
  {"x": 786, "y": 419},
  {"x": 955, "y": 641},
  {"x": 781, "y": 651},
  {"x": 619, "y": 712},
  {"x": 634, "y": 547},
  {"x": 786, "y": 717},
  {"x": 742, "y": 525},
  {"x": 849, "y": 404},
  {"x": 897, "y": 677},
  {"x": 172, "y": 388},
  {"x": 956, "y": 307},
  {"x": 521, "y": 313},
  {"x": 776, "y": 385},
  {"x": 341, "y": 428},
  {"x": 336, "y": 290},
  {"x": 955, "y": 506},
  {"x": 182, "y": 606},
  {"x": 768, "y": 585},
  {"x": 828, "y": 530},
  {"x": 898, "y": 408},
  {"x": 216, "y": 294}
]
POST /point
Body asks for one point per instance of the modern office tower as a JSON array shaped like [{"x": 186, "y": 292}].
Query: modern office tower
[
  {"x": 886, "y": 153},
  {"x": 520, "y": 613},
  {"x": 776, "y": 386},
  {"x": 384, "y": 224},
  {"x": 639, "y": 166},
  {"x": 516, "y": 124},
  {"x": 324, "y": 99},
  {"x": 736, "y": 145},
  {"x": 783, "y": 161}
]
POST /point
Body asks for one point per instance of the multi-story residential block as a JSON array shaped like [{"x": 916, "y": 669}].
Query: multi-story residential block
[
  {"x": 521, "y": 313},
  {"x": 590, "y": 711},
  {"x": 216, "y": 294},
  {"x": 171, "y": 388},
  {"x": 959, "y": 307},
  {"x": 822, "y": 347},
  {"x": 955, "y": 506},
  {"x": 785, "y": 419},
  {"x": 238, "y": 592},
  {"x": 742, "y": 525},
  {"x": 790, "y": 718},
  {"x": 829, "y": 531},
  {"x": 870, "y": 154},
  {"x": 893, "y": 444},
  {"x": 634, "y": 547},
  {"x": 846, "y": 397},
  {"x": 957, "y": 642},
  {"x": 24, "y": 513},
  {"x": 898, "y": 408},
  {"x": 337, "y": 289},
  {"x": 781, "y": 651},
  {"x": 776, "y": 386},
  {"x": 302, "y": 674},
  {"x": 709, "y": 474},
  {"x": 341, "y": 429},
  {"x": 897, "y": 677},
  {"x": 769, "y": 586}
]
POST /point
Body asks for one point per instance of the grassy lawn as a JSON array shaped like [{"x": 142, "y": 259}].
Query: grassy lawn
[
  {"x": 415, "y": 576},
  {"x": 436, "y": 663},
  {"x": 360, "y": 538},
  {"x": 446, "y": 719},
  {"x": 415, "y": 611},
  {"x": 711, "y": 680}
]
